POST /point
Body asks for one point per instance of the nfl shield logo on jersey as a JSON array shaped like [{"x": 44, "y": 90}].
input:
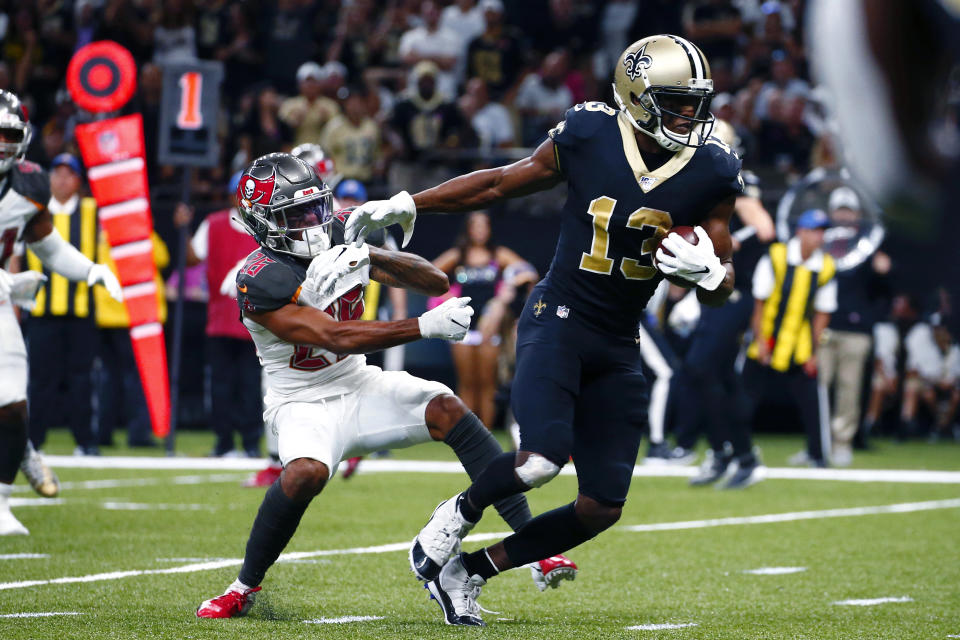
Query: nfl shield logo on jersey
[
  {"x": 647, "y": 182},
  {"x": 562, "y": 311}
]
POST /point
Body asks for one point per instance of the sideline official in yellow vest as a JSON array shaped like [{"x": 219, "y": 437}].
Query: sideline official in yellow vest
[
  {"x": 61, "y": 334},
  {"x": 795, "y": 292}
]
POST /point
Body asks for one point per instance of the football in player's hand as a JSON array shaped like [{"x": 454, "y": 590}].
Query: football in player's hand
[{"x": 688, "y": 234}]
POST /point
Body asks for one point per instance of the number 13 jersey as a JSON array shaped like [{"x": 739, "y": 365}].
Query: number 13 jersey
[{"x": 617, "y": 211}]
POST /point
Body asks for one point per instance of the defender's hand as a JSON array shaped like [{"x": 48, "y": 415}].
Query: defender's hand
[
  {"x": 25, "y": 285},
  {"x": 696, "y": 263},
  {"x": 376, "y": 214},
  {"x": 329, "y": 267},
  {"x": 99, "y": 274},
  {"x": 450, "y": 320}
]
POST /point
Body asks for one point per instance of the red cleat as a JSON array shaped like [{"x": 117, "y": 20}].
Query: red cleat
[
  {"x": 230, "y": 605},
  {"x": 265, "y": 477},
  {"x": 351, "y": 467},
  {"x": 549, "y": 572}
]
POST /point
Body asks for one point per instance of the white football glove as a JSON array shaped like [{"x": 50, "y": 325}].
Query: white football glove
[
  {"x": 100, "y": 274},
  {"x": 228, "y": 287},
  {"x": 696, "y": 263},
  {"x": 329, "y": 268},
  {"x": 25, "y": 285},
  {"x": 376, "y": 214},
  {"x": 450, "y": 320},
  {"x": 6, "y": 285}
]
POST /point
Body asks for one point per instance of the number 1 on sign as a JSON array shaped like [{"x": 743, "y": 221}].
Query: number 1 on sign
[{"x": 190, "y": 116}]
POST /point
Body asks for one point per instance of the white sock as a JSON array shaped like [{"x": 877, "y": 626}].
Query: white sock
[{"x": 238, "y": 586}]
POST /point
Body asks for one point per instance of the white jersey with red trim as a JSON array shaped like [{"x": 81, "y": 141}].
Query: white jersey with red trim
[
  {"x": 24, "y": 192},
  {"x": 295, "y": 373}
]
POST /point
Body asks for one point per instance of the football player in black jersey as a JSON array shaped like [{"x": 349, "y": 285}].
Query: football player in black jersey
[
  {"x": 24, "y": 195},
  {"x": 632, "y": 174},
  {"x": 301, "y": 298}
]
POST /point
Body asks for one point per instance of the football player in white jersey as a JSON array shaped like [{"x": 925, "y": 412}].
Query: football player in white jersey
[
  {"x": 302, "y": 300},
  {"x": 24, "y": 194}
]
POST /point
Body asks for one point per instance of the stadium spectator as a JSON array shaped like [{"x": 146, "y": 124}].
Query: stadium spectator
[
  {"x": 916, "y": 361},
  {"x": 287, "y": 29},
  {"x": 464, "y": 17},
  {"x": 353, "y": 140},
  {"x": 568, "y": 24},
  {"x": 263, "y": 131},
  {"x": 543, "y": 98},
  {"x": 308, "y": 112},
  {"x": 496, "y": 55},
  {"x": 436, "y": 44},
  {"x": 847, "y": 343},
  {"x": 240, "y": 57},
  {"x": 491, "y": 121},
  {"x": 61, "y": 334},
  {"x": 715, "y": 25},
  {"x": 175, "y": 38},
  {"x": 475, "y": 267},
  {"x": 424, "y": 118}
]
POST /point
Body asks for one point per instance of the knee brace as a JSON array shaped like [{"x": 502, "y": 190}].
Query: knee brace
[{"x": 537, "y": 471}]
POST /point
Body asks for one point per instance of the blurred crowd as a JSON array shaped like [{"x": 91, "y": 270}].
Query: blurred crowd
[{"x": 402, "y": 93}]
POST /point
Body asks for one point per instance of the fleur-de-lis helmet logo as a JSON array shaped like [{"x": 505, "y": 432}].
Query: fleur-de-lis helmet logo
[{"x": 634, "y": 62}]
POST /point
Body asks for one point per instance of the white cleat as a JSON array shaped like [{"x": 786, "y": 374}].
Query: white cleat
[
  {"x": 41, "y": 477},
  {"x": 9, "y": 525},
  {"x": 438, "y": 540},
  {"x": 456, "y": 592}
]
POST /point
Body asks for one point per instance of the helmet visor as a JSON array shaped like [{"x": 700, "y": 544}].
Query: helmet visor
[
  {"x": 302, "y": 227},
  {"x": 684, "y": 114}
]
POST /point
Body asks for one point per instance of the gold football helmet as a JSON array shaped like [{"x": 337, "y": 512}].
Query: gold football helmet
[{"x": 658, "y": 77}]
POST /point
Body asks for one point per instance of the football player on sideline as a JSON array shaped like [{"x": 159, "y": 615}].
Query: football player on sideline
[
  {"x": 632, "y": 174},
  {"x": 302, "y": 300},
  {"x": 24, "y": 194}
]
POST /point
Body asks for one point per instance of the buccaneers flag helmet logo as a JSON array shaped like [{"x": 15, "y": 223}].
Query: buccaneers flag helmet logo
[{"x": 256, "y": 191}]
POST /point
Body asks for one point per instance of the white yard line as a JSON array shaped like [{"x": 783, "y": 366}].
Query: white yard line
[
  {"x": 43, "y": 614},
  {"x": 142, "y": 482},
  {"x": 23, "y": 556},
  {"x": 343, "y": 620},
  {"x": 428, "y": 466},
  {"x": 145, "y": 506},
  {"x": 659, "y": 627},
  {"x": 869, "y": 602},
  {"x": 35, "y": 502},
  {"x": 904, "y": 507},
  {"x": 907, "y": 507},
  {"x": 775, "y": 571}
]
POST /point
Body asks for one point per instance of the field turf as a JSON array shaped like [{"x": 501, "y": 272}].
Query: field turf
[{"x": 152, "y": 522}]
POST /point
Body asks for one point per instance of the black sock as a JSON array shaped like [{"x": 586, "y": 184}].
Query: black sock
[
  {"x": 497, "y": 482},
  {"x": 13, "y": 443},
  {"x": 548, "y": 534},
  {"x": 275, "y": 524},
  {"x": 479, "y": 563},
  {"x": 476, "y": 448}
]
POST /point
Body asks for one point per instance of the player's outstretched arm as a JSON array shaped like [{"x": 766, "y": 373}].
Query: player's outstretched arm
[
  {"x": 465, "y": 193},
  {"x": 487, "y": 187},
  {"x": 307, "y": 325},
  {"x": 407, "y": 270},
  {"x": 62, "y": 257}
]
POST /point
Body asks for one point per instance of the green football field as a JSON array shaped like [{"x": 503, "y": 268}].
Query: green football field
[{"x": 130, "y": 553}]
